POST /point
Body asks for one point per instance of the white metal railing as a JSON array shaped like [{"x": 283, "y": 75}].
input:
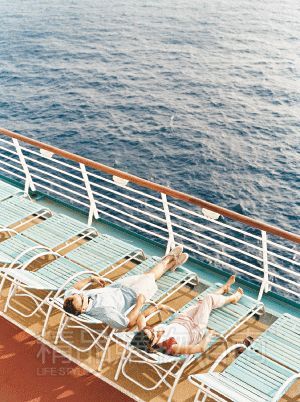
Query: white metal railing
[{"x": 271, "y": 262}]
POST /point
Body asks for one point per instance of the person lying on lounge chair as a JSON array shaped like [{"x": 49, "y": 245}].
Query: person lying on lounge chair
[
  {"x": 110, "y": 304},
  {"x": 187, "y": 333}
]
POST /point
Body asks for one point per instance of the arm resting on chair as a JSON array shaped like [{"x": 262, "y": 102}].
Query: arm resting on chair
[
  {"x": 192, "y": 349},
  {"x": 87, "y": 281}
]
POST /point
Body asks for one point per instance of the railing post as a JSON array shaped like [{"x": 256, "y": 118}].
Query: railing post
[
  {"x": 265, "y": 282},
  {"x": 93, "y": 208},
  {"x": 28, "y": 180},
  {"x": 171, "y": 241}
]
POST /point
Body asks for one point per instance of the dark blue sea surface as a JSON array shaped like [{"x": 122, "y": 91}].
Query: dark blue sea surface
[{"x": 203, "y": 96}]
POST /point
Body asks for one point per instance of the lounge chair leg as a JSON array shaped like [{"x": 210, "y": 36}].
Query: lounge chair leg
[
  {"x": 61, "y": 326},
  {"x": 120, "y": 365},
  {"x": 196, "y": 399},
  {"x": 205, "y": 396},
  {"x": 105, "y": 351},
  {"x": 178, "y": 376},
  {"x": 2, "y": 283},
  {"x": 9, "y": 296},
  {"x": 50, "y": 308}
]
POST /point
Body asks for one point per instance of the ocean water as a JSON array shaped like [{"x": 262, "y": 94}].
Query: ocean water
[{"x": 203, "y": 96}]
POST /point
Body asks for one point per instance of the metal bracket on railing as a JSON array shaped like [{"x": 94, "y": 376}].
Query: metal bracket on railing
[
  {"x": 171, "y": 241},
  {"x": 93, "y": 208},
  {"x": 265, "y": 283},
  {"x": 28, "y": 180}
]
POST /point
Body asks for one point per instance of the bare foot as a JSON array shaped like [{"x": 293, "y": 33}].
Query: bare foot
[
  {"x": 237, "y": 295},
  {"x": 228, "y": 284}
]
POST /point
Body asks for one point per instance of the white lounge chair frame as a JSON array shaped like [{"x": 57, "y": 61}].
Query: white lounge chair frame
[{"x": 207, "y": 391}]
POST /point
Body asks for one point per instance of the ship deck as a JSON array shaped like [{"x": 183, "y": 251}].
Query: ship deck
[{"x": 89, "y": 361}]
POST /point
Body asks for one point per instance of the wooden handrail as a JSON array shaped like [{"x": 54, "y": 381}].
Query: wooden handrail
[{"x": 157, "y": 187}]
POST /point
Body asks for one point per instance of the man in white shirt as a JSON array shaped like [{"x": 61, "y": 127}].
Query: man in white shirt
[{"x": 111, "y": 304}]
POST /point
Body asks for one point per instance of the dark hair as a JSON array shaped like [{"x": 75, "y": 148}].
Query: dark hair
[
  {"x": 142, "y": 342},
  {"x": 69, "y": 306}
]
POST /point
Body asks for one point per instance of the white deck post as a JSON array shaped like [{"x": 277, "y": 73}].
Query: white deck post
[
  {"x": 265, "y": 282},
  {"x": 93, "y": 208},
  {"x": 171, "y": 241},
  {"x": 28, "y": 180}
]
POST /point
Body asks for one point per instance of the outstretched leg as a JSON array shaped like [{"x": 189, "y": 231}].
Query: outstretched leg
[
  {"x": 201, "y": 312},
  {"x": 169, "y": 262},
  {"x": 145, "y": 284},
  {"x": 212, "y": 301},
  {"x": 226, "y": 287}
]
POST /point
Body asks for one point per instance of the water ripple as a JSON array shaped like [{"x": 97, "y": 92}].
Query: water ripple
[{"x": 201, "y": 96}]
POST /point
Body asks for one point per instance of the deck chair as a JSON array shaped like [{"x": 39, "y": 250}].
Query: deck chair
[
  {"x": 18, "y": 209},
  {"x": 250, "y": 378},
  {"x": 105, "y": 251},
  {"x": 109, "y": 252},
  {"x": 281, "y": 342},
  {"x": 44, "y": 239},
  {"x": 7, "y": 190},
  {"x": 168, "y": 284},
  {"x": 263, "y": 373},
  {"x": 50, "y": 234},
  {"x": 225, "y": 321},
  {"x": 52, "y": 279}
]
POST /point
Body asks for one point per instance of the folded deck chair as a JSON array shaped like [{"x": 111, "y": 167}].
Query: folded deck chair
[
  {"x": 250, "y": 378},
  {"x": 224, "y": 320},
  {"x": 18, "y": 210},
  {"x": 168, "y": 284},
  {"x": 281, "y": 342},
  {"x": 105, "y": 251},
  {"x": 7, "y": 190}
]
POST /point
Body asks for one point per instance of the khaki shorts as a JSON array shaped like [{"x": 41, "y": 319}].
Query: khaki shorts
[{"x": 142, "y": 284}]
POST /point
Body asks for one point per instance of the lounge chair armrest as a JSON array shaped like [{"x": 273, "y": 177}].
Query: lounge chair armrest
[
  {"x": 225, "y": 354},
  {"x": 284, "y": 387},
  {"x": 47, "y": 251},
  {"x": 8, "y": 230}
]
